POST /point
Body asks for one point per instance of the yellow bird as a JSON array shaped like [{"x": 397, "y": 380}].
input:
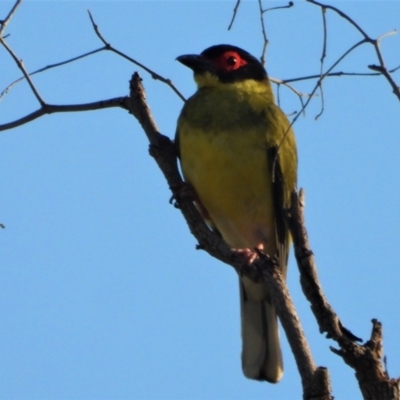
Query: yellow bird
[{"x": 239, "y": 153}]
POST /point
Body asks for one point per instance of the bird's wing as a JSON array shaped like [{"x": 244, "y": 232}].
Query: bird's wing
[
  {"x": 282, "y": 159},
  {"x": 280, "y": 196}
]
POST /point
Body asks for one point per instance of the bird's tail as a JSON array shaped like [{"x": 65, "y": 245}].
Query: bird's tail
[{"x": 261, "y": 353}]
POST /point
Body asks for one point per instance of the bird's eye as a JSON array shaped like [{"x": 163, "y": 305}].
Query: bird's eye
[
  {"x": 228, "y": 61},
  {"x": 231, "y": 61}
]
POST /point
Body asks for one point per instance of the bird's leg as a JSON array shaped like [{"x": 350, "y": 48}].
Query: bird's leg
[{"x": 248, "y": 255}]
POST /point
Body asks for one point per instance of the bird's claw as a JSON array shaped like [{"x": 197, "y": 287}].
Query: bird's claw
[{"x": 247, "y": 255}]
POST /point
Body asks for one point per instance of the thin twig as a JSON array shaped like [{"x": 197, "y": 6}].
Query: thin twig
[
  {"x": 338, "y": 74},
  {"x": 15, "y": 58},
  {"x": 51, "y": 109},
  {"x": 345, "y": 54},
  {"x": 47, "y": 67},
  {"x": 383, "y": 69},
  {"x": 263, "y": 30},
  {"x": 153, "y": 74},
  {"x": 391, "y": 33},
  {"x": 234, "y": 14},
  {"x": 343, "y": 15},
  {"x": 264, "y": 33},
  {"x": 25, "y": 73},
  {"x": 290, "y": 4},
  {"x": 323, "y": 10},
  {"x": 323, "y": 76},
  {"x": 278, "y": 94},
  {"x": 5, "y": 21},
  {"x": 367, "y": 39},
  {"x": 299, "y": 94},
  {"x": 292, "y": 88}
]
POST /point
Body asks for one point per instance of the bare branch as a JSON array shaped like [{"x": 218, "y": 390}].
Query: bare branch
[
  {"x": 51, "y": 109},
  {"x": 264, "y": 34},
  {"x": 154, "y": 75},
  {"x": 299, "y": 94},
  {"x": 365, "y": 359},
  {"x": 289, "y": 5},
  {"x": 382, "y": 67},
  {"x": 343, "y": 15},
  {"x": 106, "y": 46},
  {"x": 4, "y": 23},
  {"x": 7, "y": 89},
  {"x": 321, "y": 78},
  {"x": 263, "y": 30},
  {"x": 234, "y": 14},
  {"x": 22, "y": 68},
  {"x": 367, "y": 39},
  {"x": 323, "y": 10},
  {"x": 340, "y": 73}
]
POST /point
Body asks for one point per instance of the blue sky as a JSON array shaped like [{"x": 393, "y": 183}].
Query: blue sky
[{"x": 102, "y": 293}]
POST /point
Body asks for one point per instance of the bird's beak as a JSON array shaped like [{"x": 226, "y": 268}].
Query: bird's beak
[{"x": 196, "y": 63}]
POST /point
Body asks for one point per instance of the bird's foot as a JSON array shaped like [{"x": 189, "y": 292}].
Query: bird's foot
[{"x": 247, "y": 255}]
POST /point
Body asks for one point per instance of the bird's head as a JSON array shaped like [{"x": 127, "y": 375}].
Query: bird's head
[{"x": 223, "y": 63}]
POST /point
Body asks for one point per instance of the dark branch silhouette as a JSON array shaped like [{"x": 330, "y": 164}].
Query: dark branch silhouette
[
  {"x": 366, "y": 359},
  {"x": 367, "y": 39},
  {"x": 235, "y": 10},
  {"x": 154, "y": 75},
  {"x": 47, "y": 67},
  {"x": 52, "y": 109}
]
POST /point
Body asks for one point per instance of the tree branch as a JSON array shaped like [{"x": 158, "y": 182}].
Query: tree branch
[
  {"x": 22, "y": 68},
  {"x": 367, "y": 39},
  {"x": 122, "y": 102},
  {"x": 321, "y": 90},
  {"x": 154, "y": 75},
  {"x": 263, "y": 30},
  {"x": 234, "y": 14},
  {"x": 335, "y": 74},
  {"x": 89, "y": 53},
  {"x": 321, "y": 78},
  {"x": 107, "y": 46},
  {"x": 365, "y": 359},
  {"x": 5, "y": 22}
]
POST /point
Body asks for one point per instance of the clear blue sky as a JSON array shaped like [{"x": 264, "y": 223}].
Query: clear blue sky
[{"x": 102, "y": 293}]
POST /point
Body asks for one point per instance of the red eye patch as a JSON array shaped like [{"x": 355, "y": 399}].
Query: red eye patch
[{"x": 229, "y": 61}]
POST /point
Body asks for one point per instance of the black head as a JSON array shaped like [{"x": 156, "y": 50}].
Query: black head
[{"x": 228, "y": 63}]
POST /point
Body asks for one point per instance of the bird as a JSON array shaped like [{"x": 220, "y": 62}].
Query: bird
[{"x": 238, "y": 153}]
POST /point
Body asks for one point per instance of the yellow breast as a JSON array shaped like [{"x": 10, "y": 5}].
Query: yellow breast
[{"x": 225, "y": 159}]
